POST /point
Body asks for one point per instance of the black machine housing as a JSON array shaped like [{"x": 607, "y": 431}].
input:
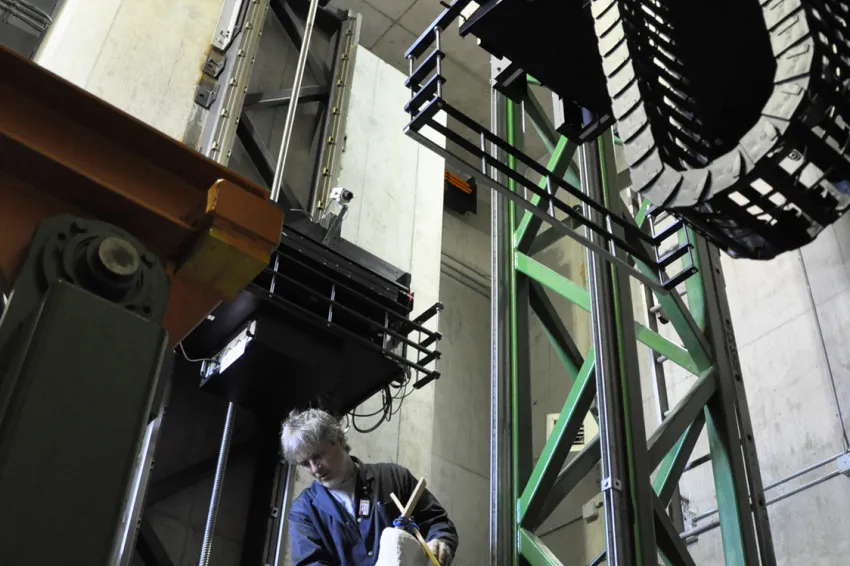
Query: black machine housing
[
  {"x": 324, "y": 325},
  {"x": 539, "y": 39}
]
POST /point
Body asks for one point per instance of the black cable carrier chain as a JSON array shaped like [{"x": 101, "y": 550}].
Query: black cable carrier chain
[{"x": 745, "y": 139}]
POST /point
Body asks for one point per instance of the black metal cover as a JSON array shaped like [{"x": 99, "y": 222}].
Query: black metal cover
[{"x": 544, "y": 38}]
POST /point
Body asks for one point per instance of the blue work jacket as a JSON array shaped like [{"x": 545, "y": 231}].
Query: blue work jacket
[{"x": 322, "y": 533}]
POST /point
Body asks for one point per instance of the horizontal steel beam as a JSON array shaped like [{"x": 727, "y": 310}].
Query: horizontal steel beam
[
  {"x": 310, "y": 93},
  {"x": 67, "y": 151}
]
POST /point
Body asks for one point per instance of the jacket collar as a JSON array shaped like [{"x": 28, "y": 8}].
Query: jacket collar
[{"x": 326, "y": 503}]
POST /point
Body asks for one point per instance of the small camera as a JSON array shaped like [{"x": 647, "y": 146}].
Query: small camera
[{"x": 341, "y": 195}]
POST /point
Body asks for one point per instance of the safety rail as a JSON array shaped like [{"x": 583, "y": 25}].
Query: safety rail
[{"x": 621, "y": 238}]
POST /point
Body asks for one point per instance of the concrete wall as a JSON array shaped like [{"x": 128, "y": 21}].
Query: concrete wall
[
  {"x": 143, "y": 56},
  {"x": 460, "y": 469},
  {"x": 396, "y": 214}
]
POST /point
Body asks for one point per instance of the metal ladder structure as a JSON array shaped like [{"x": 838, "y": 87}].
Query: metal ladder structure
[{"x": 638, "y": 527}]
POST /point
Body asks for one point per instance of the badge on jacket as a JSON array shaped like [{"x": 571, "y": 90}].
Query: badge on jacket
[{"x": 364, "y": 508}]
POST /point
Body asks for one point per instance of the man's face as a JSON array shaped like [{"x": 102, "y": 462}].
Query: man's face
[{"x": 329, "y": 464}]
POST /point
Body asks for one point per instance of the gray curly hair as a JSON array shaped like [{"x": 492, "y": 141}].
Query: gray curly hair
[{"x": 303, "y": 432}]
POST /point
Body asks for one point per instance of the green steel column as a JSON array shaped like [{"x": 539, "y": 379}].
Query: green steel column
[
  {"x": 520, "y": 363},
  {"x": 744, "y": 523}
]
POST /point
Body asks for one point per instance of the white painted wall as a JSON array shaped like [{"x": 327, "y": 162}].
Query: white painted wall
[
  {"x": 143, "y": 56},
  {"x": 396, "y": 214}
]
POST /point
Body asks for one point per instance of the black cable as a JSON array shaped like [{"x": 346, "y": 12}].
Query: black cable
[
  {"x": 385, "y": 394},
  {"x": 388, "y": 407}
]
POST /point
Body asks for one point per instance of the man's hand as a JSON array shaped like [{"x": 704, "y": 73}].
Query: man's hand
[{"x": 441, "y": 551}]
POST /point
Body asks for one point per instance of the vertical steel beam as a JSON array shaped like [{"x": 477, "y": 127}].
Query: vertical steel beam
[
  {"x": 627, "y": 498},
  {"x": 745, "y": 527},
  {"x": 520, "y": 361},
  {"x": 502, "y": 517}
]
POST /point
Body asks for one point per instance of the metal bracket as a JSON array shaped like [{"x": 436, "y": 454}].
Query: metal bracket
[
  {"x": 228, "y": 20},
  {"x": 612, "y": 484},
  {"x": 844, "y": 465},
  {"x": 207, "y": 92},
  {"x": 214, "y": 64}
]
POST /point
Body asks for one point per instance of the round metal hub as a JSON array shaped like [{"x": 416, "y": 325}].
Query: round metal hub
[{"x": 119, "y": 257}]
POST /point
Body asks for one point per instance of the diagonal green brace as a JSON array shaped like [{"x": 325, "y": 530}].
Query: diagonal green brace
[
  {"x": 673, "y": 465},
  {"x": 558, "y": 164},
  {"x": 568, "y": 478},
  {"x": 671, "y": 546},
  {"x": 535, "y": 550},
  {"x": 558, "y": 445},
  {"x": 671, "y": 303},
  {"x": 728, "y": 504},
  {"x": 677, "y": 421},
  {"x": 541, "y": 123},
  {"x": 563, "y": 286},
  {"x": 577, "y": 295},
  {"x": 555, "y": 330}
]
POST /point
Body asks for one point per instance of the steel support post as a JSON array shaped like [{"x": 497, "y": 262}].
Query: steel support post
[
  {"x": 627, "y": 499},
  {"x": 502, "y": 521},
  {"x": 328, "y": 155},
  {"x": 744, "y": 522},
  {"x": 520, "y": 362}
]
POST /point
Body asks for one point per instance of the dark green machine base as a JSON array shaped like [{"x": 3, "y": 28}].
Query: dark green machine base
[
  {"x": 81, "y": 378},
  {"x": 78, "y": 391}
]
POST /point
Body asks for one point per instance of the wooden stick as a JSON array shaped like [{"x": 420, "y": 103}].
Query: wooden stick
[
  {"x": 397, "y": 503},
  {"x": 407, "y": 510},
  {"x": 424, "y": 545},
  {"x": 414, "y": 498}
]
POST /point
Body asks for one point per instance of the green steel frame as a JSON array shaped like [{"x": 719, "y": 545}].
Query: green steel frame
[{"x": 638, "y": 527}]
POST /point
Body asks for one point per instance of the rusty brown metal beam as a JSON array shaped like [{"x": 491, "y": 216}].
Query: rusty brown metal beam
[{"x": 63, "y": 150}]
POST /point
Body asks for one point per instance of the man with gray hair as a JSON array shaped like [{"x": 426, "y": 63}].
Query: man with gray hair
[{"x": 338, "y": 520}]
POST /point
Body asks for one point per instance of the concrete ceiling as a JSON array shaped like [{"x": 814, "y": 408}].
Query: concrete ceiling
[{"x": 390, "y": 26}]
